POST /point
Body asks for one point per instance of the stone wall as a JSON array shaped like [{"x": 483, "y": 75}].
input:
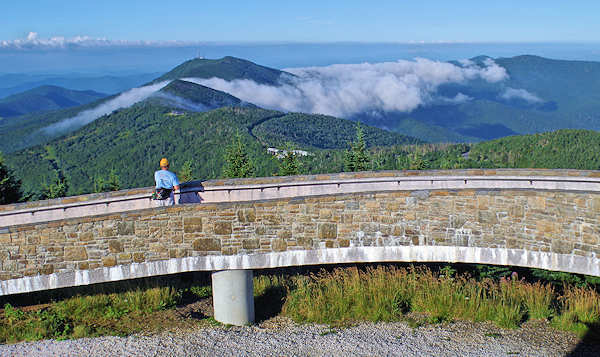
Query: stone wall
[{"x": 547, "y": 229}]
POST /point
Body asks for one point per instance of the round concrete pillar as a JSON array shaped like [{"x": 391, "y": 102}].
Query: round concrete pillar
[{"x": 233, "y": 297}]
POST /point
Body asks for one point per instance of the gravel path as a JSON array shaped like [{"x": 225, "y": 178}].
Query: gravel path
[{"x": 367, "y": 339}]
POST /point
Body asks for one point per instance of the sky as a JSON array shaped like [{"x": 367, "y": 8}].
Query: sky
[
  {"x": 305, "y": 21},
  {"x": 133, "y": 36}
]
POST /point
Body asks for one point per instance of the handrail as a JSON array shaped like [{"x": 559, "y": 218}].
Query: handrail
[
  {"x": 403, "y": 179},
  {"x": 339, "y": 182}
]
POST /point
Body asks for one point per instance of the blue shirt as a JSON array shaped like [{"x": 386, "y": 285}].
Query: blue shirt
[{"x": 165, "y": 179}]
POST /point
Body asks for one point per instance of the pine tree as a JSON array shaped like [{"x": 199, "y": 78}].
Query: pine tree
[
  {"x": 289, "y": 164},
  {"x": 109, "y": 184},
  {"x": 186, "y": 172},
  {"x": 357, "y": 158},
  {"x": 10, "y": 187},
  {"x": 58, "y": 188},
  {"x": 237, "y": 162}
]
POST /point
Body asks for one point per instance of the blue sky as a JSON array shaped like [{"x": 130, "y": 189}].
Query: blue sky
[{"x": 305, "y": 21}]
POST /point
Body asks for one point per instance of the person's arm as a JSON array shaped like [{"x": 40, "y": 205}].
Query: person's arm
[{"x": 175, "y": 182}]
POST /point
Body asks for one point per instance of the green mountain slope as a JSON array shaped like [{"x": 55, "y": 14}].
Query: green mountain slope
[
  {"x": 227, "y": 68},
  {"x": 23, "y": 131},
  {"x": 45, "y": 98},
  {"x": 312, "y": 131},
  {"x": 132, "y": 140}
]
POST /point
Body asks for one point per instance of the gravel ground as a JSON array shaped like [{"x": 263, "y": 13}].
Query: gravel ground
[{"x": 288, "y": 339}]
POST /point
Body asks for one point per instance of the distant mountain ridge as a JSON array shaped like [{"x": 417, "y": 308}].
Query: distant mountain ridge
[
  {"x": 45, "y": 98},
  {"x": 17, "y": 83}
]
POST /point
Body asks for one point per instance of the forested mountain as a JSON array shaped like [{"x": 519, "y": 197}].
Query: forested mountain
[
  {"x": 561, "y": 149},
  {"x": 45, "y": 98},
  {"x": 227, "y": 68},
  {"x": 131, "y": 141},
  {"x": 24, "y": 131}
]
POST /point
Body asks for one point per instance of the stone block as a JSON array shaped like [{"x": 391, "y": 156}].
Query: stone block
[
  {"x": 5, "y": 238},
  {"x": 223, "y": 227},
  {"x": 114, "y": 246},
  {"x": 536, "y": 202},
  {"x": 305, "y": 242},
  {"x": 251, "y": 243},
  {"x": 83, "y": 265},
  {"x": 86, "y": 236},
  {"x": 561, "y": 246},
  {"x": 192, "y": 224},
  {"x": 246, "y": 215},
  {"x": 139, "y": 257},
  {"x": 47, "y": 269},
  {"x": 125, "y": 228},
  {"x": 344, "y": 243},
  {"x": 284, "y": 234},
  {"x": 279, "y": 245},
  {"x": 327, "y": 230},
  {"x": 109, "y": 261},
  {"x": 75, "y": 254},
  {"x": 206, "y": 244},
  {"x": 230, "y": 250},
  {"x": 324, "y": 213}
]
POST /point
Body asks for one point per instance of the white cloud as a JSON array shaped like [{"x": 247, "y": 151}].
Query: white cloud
[
  {"x": 512, "y": 93},
  {"x": 123, "y": 100},
  {"x": 34, "y": 41},
  {"x": 344, "y": 90}
]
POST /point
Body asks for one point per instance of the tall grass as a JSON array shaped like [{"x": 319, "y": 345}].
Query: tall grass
[
  {"x": 91, "y": 315},
  {"x": 387, "y": 293}
]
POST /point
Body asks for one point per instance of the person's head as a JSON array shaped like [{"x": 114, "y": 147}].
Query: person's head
[{"x": 164, "y": 163}]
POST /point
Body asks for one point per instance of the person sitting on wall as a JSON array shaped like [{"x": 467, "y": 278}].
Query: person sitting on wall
[{"x": 166, "y": 184}]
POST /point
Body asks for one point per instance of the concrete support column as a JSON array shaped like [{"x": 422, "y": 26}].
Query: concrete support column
[{"x": 233, "y": 297}]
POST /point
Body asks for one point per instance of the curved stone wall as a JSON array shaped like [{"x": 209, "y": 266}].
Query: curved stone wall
[{"x": 545, "y": 219}]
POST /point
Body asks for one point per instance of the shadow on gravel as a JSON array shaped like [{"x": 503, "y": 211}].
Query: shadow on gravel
[
  {"x": 269, "y": 304},
  {"x": 590, "y": 343}
]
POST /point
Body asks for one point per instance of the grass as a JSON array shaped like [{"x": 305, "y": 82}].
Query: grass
[
  {"x": 338, "y": 297},
  {"x": 388, "y": 294}
]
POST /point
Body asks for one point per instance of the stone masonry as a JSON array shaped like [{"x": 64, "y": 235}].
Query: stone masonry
[{"x": 540, "y": 221}]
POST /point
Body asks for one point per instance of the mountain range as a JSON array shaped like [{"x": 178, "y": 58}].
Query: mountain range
[
  {"x": 45, "y": 98},
  {"x": 188, "y": 121}
]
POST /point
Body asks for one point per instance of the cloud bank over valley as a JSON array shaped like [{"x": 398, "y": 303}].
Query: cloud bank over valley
[
  {"x": 344, "y": 90},
  {"x": 123, "y": 100}
]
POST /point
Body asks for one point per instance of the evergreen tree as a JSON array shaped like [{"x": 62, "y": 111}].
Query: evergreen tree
[
  {"x": 417, "y": 162},
  {"x": 237, "y": 161},
  {"x": 109, "y": 184},
  {"x": 186, "y": 172},
  {"x": 56, "y": 189},
  {"x": 289, "y": 164},
  {"x": 357, "y": 158},
  {"x": 10, "y": 187}
]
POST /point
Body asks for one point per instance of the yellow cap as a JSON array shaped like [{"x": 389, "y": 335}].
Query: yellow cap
[{"x": 164, "y": 162}]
